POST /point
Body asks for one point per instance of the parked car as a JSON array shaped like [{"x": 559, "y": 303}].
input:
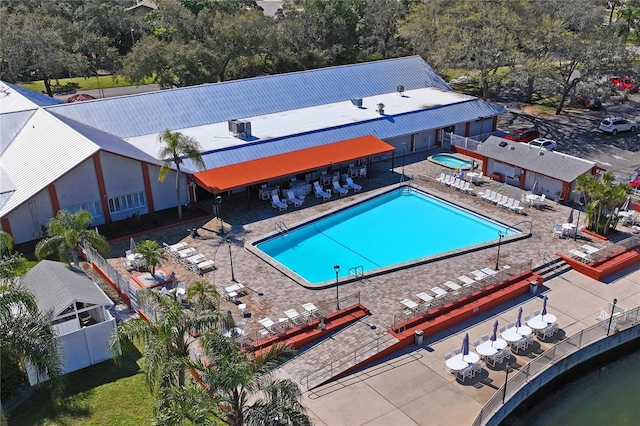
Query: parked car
[
  {"x": 635, "y": 183},
  {"x": 523, "y": 135},
  {"x": 544, "y": 143},
  {"x": 623, "y": 83},
  {"x": 589, "y": 102},
  {"x": 614, "y": 125}
]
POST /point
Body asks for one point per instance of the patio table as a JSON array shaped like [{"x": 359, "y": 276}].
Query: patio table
[
  {"x": 515, "y": 334},
  {"x": 490, "y": 348},
  {"x": 460, "y": 362},
  {"x": 540, "y": 322}
]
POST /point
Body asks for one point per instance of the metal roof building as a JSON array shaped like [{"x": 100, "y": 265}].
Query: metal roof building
[{"x": 102, "y": 155}]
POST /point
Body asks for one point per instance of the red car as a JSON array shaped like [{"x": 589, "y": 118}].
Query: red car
[
  {"x": 623, "y": 83},
  {"x": 523, "y": 135},
  {"x": 635, "y": 183}
]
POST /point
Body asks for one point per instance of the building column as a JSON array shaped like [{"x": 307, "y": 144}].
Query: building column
[
  {"x": 53, "y": 196},
  {"x": 467, "y": 128},
  {"x": 147, "y": 186},
  {"x": 102, "y": 188}
]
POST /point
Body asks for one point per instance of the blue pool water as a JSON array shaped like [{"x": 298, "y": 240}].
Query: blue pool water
[
  {"x": 451, "y": 161},
  {"x": 401, "y": 226}
]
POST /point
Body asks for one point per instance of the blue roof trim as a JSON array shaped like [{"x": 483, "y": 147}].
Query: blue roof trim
[
  {"x": 385, "y": 127},
  {"x": 147, "y": 113},
  {"x": 37, "y": 98}
]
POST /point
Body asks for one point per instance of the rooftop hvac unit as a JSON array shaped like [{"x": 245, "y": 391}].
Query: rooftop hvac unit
[
  {"x": 380, "y": 109},
  {"x": 239, "y": 128},
  {"x": 357, "y": 102},
  {"x": 400, "y": 90}
]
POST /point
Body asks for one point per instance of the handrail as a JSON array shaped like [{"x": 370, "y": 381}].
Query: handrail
[
  {"x": 542, "y": 362},
  {"x": 281, "y": 228},
  {"x": 357, "y": 271},
  {"x": 342, "y": 363}
]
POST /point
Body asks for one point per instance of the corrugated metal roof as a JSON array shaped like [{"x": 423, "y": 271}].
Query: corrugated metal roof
[
  {"x": 147, "y": 113},
  {"x": 384, "y": 127},
  {"x": 56, "y": 285},
  {"x": 10, "y": 125},
  {"x": 16, "y": 98},
  {"x": 549, "y": 163},
  {"x": 42, "y": 152}
]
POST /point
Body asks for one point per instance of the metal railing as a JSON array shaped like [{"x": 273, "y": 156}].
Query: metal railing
[
  {"x": 282, "y": 228},
  {"x": 560, "y": 350},
  {"x": 625, "y": 244},
  {"x": 341, "y": 364},
  {"x": 453, "y": 296}
]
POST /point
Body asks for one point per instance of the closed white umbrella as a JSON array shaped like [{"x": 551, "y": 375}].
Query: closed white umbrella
[
  {"x": 626, "y": 205},
  {"x": 132, "y": 245}
]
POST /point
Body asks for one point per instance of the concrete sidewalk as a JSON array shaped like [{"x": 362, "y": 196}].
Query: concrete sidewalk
[{"x": 411, "y": 387}]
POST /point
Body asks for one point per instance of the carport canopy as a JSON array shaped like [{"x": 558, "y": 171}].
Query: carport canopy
[{"x": 291, "y": 163}]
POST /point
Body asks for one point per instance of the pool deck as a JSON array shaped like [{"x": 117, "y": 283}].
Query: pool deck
[{"x": 409, "y": 387}]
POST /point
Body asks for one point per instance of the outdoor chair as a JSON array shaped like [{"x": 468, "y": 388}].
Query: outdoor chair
[
  {"x": 485, "y": 337},
  {"x": 457, "y": 351},
  {"x": 447, "y": 356}
]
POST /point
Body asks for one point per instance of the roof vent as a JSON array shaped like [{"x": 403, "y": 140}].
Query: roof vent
[
  {"x": 380, "y": 109},
  {"x": 400, "y": 89},
  {"x": 357, "y": 102},
  {"x": 512, "y": 148},
  {"x": 240, "y": 129},
  {"x": 503, "y": 144}
]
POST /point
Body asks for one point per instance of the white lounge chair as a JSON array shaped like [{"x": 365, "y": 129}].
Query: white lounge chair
[
  {"x": 203, "y": 267},
  {"x": 440, "y": 178},
  {"x": 447, "y": 180},
  {"x": 581, "y": 256},
  {"x": 353, "y": 185},
  {"x": 466, "y": 280},
  {"x": 338, "y": 188},
  {"x": 293, "y": 199},
  {"x": 516, "y": 207},
  {"x": 317, "y": 189},
  {"x": 467, "y": 188},
  {"x": 276, "y": 202},
  {"x": 492, "y": 197},
  {"x": 506, "y": 204},
  {"x": 497, "y": 199},
  {"x": 479, "y": 275}
]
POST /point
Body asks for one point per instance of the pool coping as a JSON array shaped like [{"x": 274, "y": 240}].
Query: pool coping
[
  {"x": 250, "y": 245},
  {"x": 430, "y": 158}
]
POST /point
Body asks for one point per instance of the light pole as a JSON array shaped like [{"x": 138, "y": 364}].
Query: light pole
[
  {"x": 337, "y": 269},
  {"x": 233, "y": 278},
  {"x": 613, "y": 309},
  {"x": 575, "y": 234},
  {"x": 219, "y": 212},
  {"x": 404, "y": 145},
  {"x": 506, "y": 379},
  {"x": 498, "y": 255}
]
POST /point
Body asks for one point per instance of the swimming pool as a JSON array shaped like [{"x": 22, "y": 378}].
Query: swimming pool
[
  {"x": 451, "y": 161},
  {"x": 403, "y": 225}
]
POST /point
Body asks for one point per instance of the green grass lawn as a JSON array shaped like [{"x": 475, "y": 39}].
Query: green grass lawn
[
  {"x": 85, "y": 83},
  {"x": 103, "y": 394}
]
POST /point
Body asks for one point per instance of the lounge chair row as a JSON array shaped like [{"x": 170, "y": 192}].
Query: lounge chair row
[
  {"x": 187, "y": 256},
  {"x": 455, "y": 182},
  {"x": 501, "y": 200},
  {"x": 292, "y": 318}
]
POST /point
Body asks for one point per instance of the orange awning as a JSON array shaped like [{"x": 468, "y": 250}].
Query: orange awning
[{"x": 291, "y": 163}]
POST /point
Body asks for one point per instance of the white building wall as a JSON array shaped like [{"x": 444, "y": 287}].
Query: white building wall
[
  {"x": 164, "y": 194},
  {"x": 480, "y": 127},
  {"x": 460, "y": 129},
  {"x": 80, "y": 186},
  {"x": 123, "y": 176},
  {"x": 26, "y": 221},
  {"x": 425, "y": 140}
]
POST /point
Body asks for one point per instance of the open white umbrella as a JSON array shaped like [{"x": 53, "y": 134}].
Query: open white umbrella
[{"x": 533, "y": 188}]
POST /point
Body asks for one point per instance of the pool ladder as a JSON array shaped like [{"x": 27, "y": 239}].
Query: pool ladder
[
  {"x": 282, "y": 228},
  {"x": 357, "y": 272}
]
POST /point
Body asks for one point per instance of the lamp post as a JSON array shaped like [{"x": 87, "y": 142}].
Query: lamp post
[
  {"x": 404, "y": 145},
  {"x": 498, "y": 255},
  {"x": 219, "y": 213},
  {"x": 337, "y": 269},
  {"x": 506, "y": 379},
  {"x": 575, "y": 234},
  {"x": 233, "y": 278},
  {"x": 613, "y": 309}
]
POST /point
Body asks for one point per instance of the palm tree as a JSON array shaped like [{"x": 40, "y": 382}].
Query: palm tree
[
  {"x": 602, "y": 196},
  {"x": 167, "y": 341},
  {"x": 152, "y": 254},
  {"x": 177, "y": 147},
  {"x": 66, "y": 232},
  {"x": 243, "y": 387},
  {"x": 204, "y": 295},
  {"x": 26, "y": 335},
  {"x": 6, "y": 243}
]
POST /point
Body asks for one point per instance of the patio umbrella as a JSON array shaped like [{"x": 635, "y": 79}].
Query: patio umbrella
[
  {"x": 519, "y": 321},
  {"x": 132, "y": 245},
  {"x": 544, "y": 306},
  {"x": 533, "y": 188},
  {"x": 465, "y": 345},
  {"x": 570, "y": 219},
  {"x": 494, "y": 335}
]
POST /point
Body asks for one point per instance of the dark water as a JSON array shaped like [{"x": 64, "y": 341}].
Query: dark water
[{"x": 609, "y": 395}]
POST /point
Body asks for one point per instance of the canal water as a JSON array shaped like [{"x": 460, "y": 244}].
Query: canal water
[{"x": 605, "y": 395}]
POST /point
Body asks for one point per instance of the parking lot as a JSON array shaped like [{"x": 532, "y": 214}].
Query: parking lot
[{"x": 576, "y": 131}]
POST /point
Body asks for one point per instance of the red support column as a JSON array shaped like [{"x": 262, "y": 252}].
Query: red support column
[
  {"x": 102, "y": 188},
  {"x": 147, "y": 186},
  {"x": 467, "y": 128},
  {"x": 53, "y": 196}
]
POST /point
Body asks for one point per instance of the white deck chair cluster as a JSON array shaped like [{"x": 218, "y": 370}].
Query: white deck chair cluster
[
  {"x": 502, "y": 200},
  {"x": 455, "y": 182}
]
